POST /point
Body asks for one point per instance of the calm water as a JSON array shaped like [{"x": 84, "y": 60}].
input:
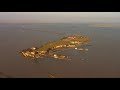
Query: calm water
[{"x": 101, "y": 60}]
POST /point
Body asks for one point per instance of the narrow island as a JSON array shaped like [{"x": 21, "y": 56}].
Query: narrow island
[{"x": 50, "y": 49}]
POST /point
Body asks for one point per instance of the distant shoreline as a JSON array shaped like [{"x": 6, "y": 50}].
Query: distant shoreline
[{"x": 69, "y": 23}]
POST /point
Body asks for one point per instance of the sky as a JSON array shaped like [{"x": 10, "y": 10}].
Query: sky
[{"x": 58, "y": 17}]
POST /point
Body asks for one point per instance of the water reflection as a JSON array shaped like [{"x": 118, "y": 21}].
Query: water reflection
[
  {"x": 3, "y": 75},
  {"x": 55, "y": 75}
]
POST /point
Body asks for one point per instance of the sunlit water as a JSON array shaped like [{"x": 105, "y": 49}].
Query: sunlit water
[{"x": 101, "y": 60}]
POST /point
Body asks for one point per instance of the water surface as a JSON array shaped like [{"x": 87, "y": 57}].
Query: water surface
[{"x": 101, "y": 60}]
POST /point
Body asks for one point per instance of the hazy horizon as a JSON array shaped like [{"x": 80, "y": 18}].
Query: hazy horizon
[{"x": 59, "y": 17}]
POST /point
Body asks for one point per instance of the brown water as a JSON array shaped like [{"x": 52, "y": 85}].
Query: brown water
[{"x": 101, "y": 60}]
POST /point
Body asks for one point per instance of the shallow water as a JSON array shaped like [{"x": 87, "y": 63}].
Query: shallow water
[{"x": 101, "y": 60}]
